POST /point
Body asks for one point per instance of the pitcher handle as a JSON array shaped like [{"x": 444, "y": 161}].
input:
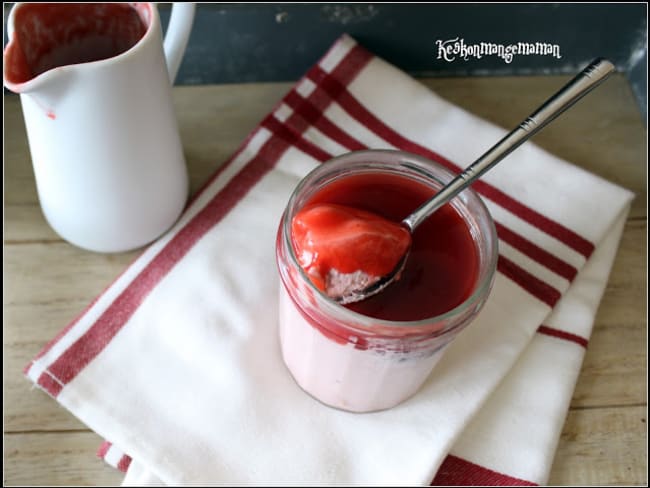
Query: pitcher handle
[{"x": 177, "y": 35}]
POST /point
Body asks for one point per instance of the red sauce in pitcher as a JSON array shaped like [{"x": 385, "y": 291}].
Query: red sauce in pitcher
[{"x": 51, "y": 35}]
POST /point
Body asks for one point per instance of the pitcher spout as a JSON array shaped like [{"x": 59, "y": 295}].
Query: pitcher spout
[
  {"x": 18, "y": 75},
  {"x": 45, "y": 38}
]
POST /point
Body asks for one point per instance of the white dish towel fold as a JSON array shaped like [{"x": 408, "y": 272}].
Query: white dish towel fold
[{"x": 177, "y": 363}]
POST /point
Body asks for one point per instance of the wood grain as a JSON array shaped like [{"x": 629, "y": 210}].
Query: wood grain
[
  {"x": 56, "y": 459},
  {"x": 48, "y": 282},
  {"x": 603, "y": 446},
  {"x": 614, "y": 371}
]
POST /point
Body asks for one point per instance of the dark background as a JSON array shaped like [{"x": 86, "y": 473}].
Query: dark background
[
  {"x": 248, "y": 42},
  {"x": 279, "y": 42}
]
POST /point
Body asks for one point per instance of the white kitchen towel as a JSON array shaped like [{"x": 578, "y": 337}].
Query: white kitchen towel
[{"x": 178, "y": 361}]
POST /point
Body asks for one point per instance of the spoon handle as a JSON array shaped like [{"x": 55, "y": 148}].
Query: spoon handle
[{"x": 583, "y": 83}]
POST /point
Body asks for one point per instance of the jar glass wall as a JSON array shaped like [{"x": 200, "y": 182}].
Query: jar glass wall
[{"x": 358, "y": 362}]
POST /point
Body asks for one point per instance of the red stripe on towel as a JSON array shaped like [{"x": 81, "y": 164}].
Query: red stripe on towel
[
  {"x": 124, "y": 463},
  {"x": 313, "y": 116},
  {"x": 561, "y": 334},
  {"x": 282, "y": 131},
  {"x": 65, "y": 330},
  {"x": 49, "y": 384},
  {"x": 103, "y": 449},
  {"x": 351, "y": 105},
  {"x": 220, "y": 170},
  {"x": 95, "y": 339},
  {"x": 536, "y": 253},
  {"x": 455, "y": 471},
  {"x": 536, "y": 287},
  {"x": 58, "y": 337}
]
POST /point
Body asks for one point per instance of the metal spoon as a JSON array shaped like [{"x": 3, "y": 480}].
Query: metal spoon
[{"x": 583, "y": 83}]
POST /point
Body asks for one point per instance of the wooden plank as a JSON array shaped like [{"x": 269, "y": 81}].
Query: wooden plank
[
  {"x": 214, "y": 120},
  {"x": 48, "y": 285},
  {"x": 54, "y": 272},
  {"x": 31, "y": 327},
  {"x": 56, "y": 459},
  {"x": 26, "y": 223},
  {"x": 604, "y": 446},
  {"x": 614, "y": 371}
]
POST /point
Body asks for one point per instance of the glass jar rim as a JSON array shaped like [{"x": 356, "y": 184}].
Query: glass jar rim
[{"x": 331, "y": 306}]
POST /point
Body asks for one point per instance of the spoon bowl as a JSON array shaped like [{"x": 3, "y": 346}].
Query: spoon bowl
[{"x": 348, "y": 289}]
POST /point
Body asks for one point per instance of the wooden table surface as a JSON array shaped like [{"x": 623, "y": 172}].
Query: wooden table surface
[{"x": 47, "y": 282}]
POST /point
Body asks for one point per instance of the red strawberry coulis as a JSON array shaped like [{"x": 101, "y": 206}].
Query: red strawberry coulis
[{"x": 353, "y": 224}]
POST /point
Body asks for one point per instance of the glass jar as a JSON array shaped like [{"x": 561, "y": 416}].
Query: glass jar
[{"x": 353, "y": 361}]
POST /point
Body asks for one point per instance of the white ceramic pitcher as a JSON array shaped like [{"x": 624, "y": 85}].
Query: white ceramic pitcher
[{"x": 95, "y": 88}]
